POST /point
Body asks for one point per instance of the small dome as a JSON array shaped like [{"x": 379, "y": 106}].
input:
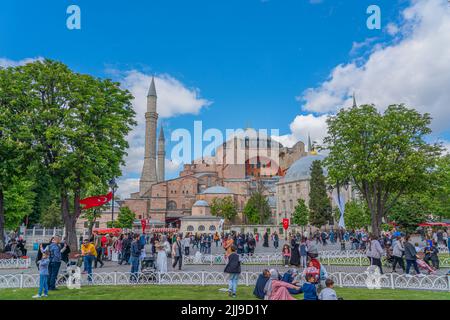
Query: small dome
[
  {"x": 217, "y": 190},
  {"x": 301, "y": 169},
  {"x": 201, "y": 203}
]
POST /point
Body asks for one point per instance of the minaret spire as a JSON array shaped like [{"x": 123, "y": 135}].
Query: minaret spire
[
  {"x": 161, "y": 154},
  {"x": 148, "y": 176},
  {"x": 309, "y": 143},
  {"x": 354, "y": 100}
]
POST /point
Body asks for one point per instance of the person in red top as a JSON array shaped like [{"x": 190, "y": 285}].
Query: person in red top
[{"x": 104, "y": 242}]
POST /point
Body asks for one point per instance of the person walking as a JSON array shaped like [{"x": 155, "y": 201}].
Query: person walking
[
  {"x": 161, "y": 260},
  {"x": 276, "y": 240},
  {"x": 266, "y": 240},
  {"x": 134, "y": 259},
  {"x": 126, "y": 250},
  {"x": 410, "y": 256},
  {"x": 43, "y": 275},
  {"x": 303, "y": 249},
  {"x": 233, "y": 268},
  {"x": 99, "y": 250},
  {"x": 54, "y": 252},
  {"x": 177, "y": 254},
  {"x": 186, "y": 244},
  {"x": 374, "y": 252},
  {"x": 397, "y": 253}
]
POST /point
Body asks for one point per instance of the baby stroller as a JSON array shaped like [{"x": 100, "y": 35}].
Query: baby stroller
[
  {"x": 148, "y": 270},
  {"x": 423, "y": 266}
]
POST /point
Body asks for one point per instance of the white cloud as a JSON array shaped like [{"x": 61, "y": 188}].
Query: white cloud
[
  {"x": 303, "y": 125},
  {"x": 5, "y": 62},
  {"x": 414, "y": 69},
  {"x": 392, "y": 29},
  {"x": 127, "y": 186}
]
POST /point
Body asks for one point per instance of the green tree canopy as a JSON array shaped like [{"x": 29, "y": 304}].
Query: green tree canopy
[
  {"x": 257, "y": 209},
  {"x": 356, "y": 215},
  {"x": 224, "y": 207},
  {"x": 384, "y": 155},
  {"x": 301, "y": 213},
  {"x": 78, "y": 125},
  {"x": 51, "y": 216},
  {"x": 319, "y": 203},
  {"x": 126, "y": 218}
]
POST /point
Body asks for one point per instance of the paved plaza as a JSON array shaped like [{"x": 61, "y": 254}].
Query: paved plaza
[{"x": 110, "y": 266}]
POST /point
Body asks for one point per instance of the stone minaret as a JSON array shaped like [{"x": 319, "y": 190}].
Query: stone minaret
[
  {"x": 161, "y": 155},
  {"x": 148, "y": 177}
]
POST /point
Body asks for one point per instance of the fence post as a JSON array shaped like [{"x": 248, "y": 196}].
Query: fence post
[
  {"x": 246, "y": 279},
  {"x": 115, "y": 278},
  {"x": 34, "y": 232},
  {"x": 21, "y": 280},
  {"x": 448, "y": 280},
  {"x": 360, "y": 260},
  {"x": 328, "y": 258},
  {"x": 340, "y": 279},
  {"x": 203, "y": 278},
  {"x": 392, "y": 281},
  {"x": 211, "y": 259},
  {"x": 43, "y": 232},
  {"x": 54, "y": 231}
]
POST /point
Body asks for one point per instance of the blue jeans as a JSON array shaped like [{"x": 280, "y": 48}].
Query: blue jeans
[
  {"x": 88, "y": 266},
  {"x": 53, "y": 269},
  {"x": 43, "y": 284},
  {"x": 134, "y": 267},
  {"x": 232, "y": 282},
  {"x": 414, "y": 264}
]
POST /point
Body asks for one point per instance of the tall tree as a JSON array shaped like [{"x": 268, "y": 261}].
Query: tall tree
[
  {"x": 356, "y": 215},
  {"x": 79, "y": 124},
  {"x": 224, "y": 207},
  {"x": 301, "y": 213},
  {"x": 257, "y": 209},
  {"x": 319, "y": 203},
  {"x": 126, "y": 218},
  {"x": 16, "y": 148},
  {"x": 384, "y": 155},
  {"x": 51, "y": 216}
]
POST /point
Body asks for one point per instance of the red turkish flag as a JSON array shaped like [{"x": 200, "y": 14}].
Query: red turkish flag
[
  {"x": 285, "y": 223},
  {"x": 143, "y": 224},
  {"x": 96, "y": 201}
]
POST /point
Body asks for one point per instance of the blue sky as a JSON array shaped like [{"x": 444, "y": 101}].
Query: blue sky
[{"x": 240, "y": 62}]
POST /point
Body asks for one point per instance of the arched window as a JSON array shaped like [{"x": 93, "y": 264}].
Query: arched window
[
  {"x": 290, "y": 189},
  {"x": 201, "y": 228},
  {"x": 298, "y": 187},
  {"x": 190, "y": 228},
  {"x": 212, "y": 228},
  {"x": 171, "y": 205},
  {"x": 291, "y": 205},
  {"x": 283, "y": 190}
]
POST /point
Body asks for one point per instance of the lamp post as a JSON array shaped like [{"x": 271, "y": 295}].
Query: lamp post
[{"x": 113, "y": 186}]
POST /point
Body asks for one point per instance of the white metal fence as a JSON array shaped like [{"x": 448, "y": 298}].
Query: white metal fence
[
  {"x": 345, "y": 258},
  {"x": 15, "y": 263},
  {"x": 203, "y": 278}
]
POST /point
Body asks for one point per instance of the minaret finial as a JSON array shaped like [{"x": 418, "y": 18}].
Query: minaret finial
[
  {"x": 354, "y": 100},
  {"x": 152, "y": 89},
  {"x": 161, "y": 133}
]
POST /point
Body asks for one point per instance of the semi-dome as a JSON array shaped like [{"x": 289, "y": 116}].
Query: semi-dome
[
  {"x": 216, "y": 190},
  {"x": 301, "y": 169},
  {"x": 200, "y": 203}
]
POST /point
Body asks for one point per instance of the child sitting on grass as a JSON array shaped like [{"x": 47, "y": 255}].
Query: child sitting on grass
[
  {"x": 328, "y": 293},
  {"x": 43, "y": 275},
  {"x": 309, "y": 288}
]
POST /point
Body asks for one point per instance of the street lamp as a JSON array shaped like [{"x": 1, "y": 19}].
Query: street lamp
[{"x": 113, "y": 186}]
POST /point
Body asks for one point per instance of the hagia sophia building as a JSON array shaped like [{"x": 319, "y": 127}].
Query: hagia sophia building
[{"x": 184, "y": 202}]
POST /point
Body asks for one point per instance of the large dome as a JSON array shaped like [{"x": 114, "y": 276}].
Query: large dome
[
  {"x": 217, "y": 190},
  {"x": 301, "y": 169}
]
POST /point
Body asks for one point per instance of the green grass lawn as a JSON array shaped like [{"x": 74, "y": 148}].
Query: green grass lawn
[{"x": 203, "y": 293}]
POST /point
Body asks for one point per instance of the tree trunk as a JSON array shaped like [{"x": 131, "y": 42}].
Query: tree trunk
[
  {"x": 2, "y": 222},
  {"x": 70, "y": 221}
]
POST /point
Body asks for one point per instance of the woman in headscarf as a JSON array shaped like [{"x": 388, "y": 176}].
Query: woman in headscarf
[
  {"x": 276, "y": 289},
  {"x": 162, "y": 248},
  {"x": 295, "y": 252}
]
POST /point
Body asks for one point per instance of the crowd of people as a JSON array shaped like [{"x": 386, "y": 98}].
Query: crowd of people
[{"x": 300, "y": 251}]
